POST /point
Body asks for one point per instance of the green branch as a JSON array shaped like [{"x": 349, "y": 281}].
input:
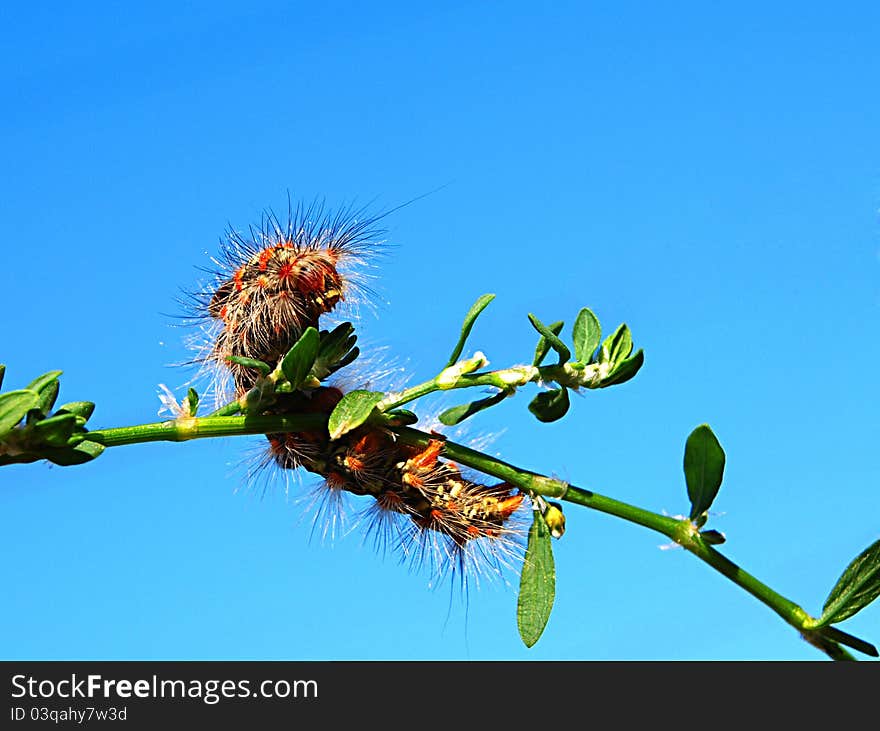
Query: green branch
[
  {"x": 682, "y": 531},
  {"x": 185, "y": 429}
]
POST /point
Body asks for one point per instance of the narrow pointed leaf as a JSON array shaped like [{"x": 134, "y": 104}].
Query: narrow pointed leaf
[
  {"x": 400, "y": 417},
  {"x": 332, "y": 340},
  {"x": 857, "y": 587},
  {"x": 13, "y": 407},
  {"x": 301, "y": 357},
  {"x": 55, "y": 430},
  {"x": 82, "y": 409},
  {"x": 537, "y": 586},
  {"x": 335, "y": 350},
  {"x": 352, "y": 411},
  {"x": 458, "y": 414},
  {"x": 713, "y": 537},
  {"x": 2, "y": 373},
  {"x": 844, "y": 638},
  {"x": 551, "y": 405},
  {"x": 703, "y": 468},
  {"x": 38, "y": 384},
  {"x": 264, "y": 368},
  {"x": 350, "y": 357},
  {"x": 617, "y": 346},
  {"x": 587, "y": 334},
  {"x": 554, "y": 341},
  {"x": 80, "y": 454},
  {"x": 192, "y": 401},
  {"x": 543, "y": 346},
  {"x": 481, "y": 304},
  {"x": 46, "y": 386},
  {"x": 625, "y": 370}
]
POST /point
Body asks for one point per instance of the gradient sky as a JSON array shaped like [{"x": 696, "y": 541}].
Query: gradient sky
[{"x": 710, "y": 176}]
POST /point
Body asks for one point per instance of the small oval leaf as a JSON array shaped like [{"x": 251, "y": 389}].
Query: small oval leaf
[
  {"x": 551, "y": 405},
  {"x": 13, "y": 407},
  {"x": 83, "y": 409},
  {"x": 857, "y": 587},
  {"x": 352, "y": 411},
  {"x": 400, "y": 417},
  {"x": 46, "y": 387},
  {"x": 56, "y": 430},
  {"x": 458, "y": 414},
  {"x": 587, "y": 334},
  {"x": 301, "y": 357},
  {"x": 39, "y": 383},
  {"x": 703, "y": 468},
  {"x": 537, "y": 584},
  {"x": 83, "y": 452},
  {"x": 192, "y": 401},
  {"x": 625, "y": 370},
  {"x": 713, "y": 537},
  {"x": 617, "y": 347}
]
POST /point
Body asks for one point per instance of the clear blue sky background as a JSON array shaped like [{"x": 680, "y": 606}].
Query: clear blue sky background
[{"x": 710, "y": 176}]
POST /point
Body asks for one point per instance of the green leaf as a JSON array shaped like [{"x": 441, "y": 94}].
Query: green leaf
[
  {"x": 264, "y": 368},
  {"x": 55, "y": 430},
  {"x": 38, "y": 384},
  {"x": 551, "y": 405},
  {"x": 33, "y": 416},
  {"x": 587, "y": 334},
  {"x": 2, "y": 373},
  {"x": 856, "y": 588},
  {"x": 47, "y": 387},
  {"x": 844, "y": 638},
  {"x": 537, "y": 584},
  {"x": 481, "y": 304},
  {"x": 83, "y": 452},
  {"x": 335, "y": 351},
  {"x": 543, "y": 346},
  {"x": 13, "y": 406},
  {"x": 617, "y": 346},
  {"x": 301, "y": 357},
  {"x": 352, "y": 411},
  {"x": 192, "y": 401},
  {"x": 713, "y": 537},
  {"x": 552, "y": 339},
  {"x": 21, "y": 458},
  {"x": 400, "y": 417},
  {"x": 625, "y": 370},
  {"x": 350, "y": 357},
  {"x": 82, "y": 409},
  {"x": 703, "y": 468},
  {"x": 458, "y": 414}
]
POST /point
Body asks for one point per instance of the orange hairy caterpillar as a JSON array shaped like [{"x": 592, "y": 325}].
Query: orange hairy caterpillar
[
  {"x": 269, "y": 288},
  {"x": 274, "y": 283}
]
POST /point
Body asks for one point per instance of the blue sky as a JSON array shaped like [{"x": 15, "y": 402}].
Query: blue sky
[{"x": 710, "y": 176}]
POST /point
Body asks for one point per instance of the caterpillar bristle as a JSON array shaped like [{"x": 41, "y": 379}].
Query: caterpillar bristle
[{"x": 268, "y": 287}]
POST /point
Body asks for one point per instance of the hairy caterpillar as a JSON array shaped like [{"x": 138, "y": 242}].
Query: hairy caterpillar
[{"x": 269, "y": 288}]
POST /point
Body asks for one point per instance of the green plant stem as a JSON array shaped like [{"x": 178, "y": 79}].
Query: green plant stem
[
  {"x": 181, "y": 430},
  {"x": 681, "y": 531},
  {"x": 506, "y": 379}
]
